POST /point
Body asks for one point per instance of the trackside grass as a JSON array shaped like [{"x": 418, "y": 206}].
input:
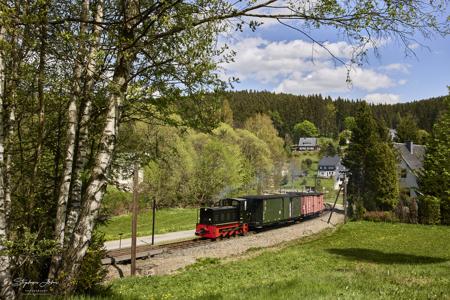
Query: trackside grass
[
  {"x": 167, "y": 220},
  {"x": 360, "y": 260}
]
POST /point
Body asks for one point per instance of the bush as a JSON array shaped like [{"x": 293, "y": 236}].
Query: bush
[
  {"x": 445, "y": 210},
  {"x": 429, "y": 210},
  {"x": 380, "y": 216},
  {"x": 356, "y": 209},
  {"x": 308, "y": 163},
  {"x": 92, "y": 272}
]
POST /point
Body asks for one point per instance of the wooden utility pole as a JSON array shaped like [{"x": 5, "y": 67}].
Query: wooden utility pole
[
  {"x": 344, "y": 198},
  {"x": 134, "y": 218},
  {"x": 153, "y": 220},
  {"x": 334, "y": 205}
]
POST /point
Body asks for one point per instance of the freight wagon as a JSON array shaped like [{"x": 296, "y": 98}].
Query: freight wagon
[{"x": 238, "y": 215}]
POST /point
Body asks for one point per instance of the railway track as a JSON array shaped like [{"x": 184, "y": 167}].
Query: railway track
[{"x": 123, "y": 255}]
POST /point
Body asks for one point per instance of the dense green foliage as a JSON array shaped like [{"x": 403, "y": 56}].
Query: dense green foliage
[
  {"x": 305, "y": 129},
  {"x": 435, "y": 177},
  {"x": 349, "y": 123},
  {"x": 407, "y": 129},
  {"x": 167, "y": 220},
  {"x": 92, "y": 269},
  {"x": 361, "y": 260},
  {"x": 429, "y": 210},
  {"x": 194, "y": 168},
  {"x": 329, "y": 116},
  {"x": 372, "y": 165}
]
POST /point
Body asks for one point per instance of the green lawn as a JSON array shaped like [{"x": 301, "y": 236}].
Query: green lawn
[
  {"x": 361, "y": 260},
  {"x": 167, "y": 220}
]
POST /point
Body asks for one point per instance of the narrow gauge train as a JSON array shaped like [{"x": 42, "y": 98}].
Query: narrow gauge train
[{"x": 233, "y": 216}]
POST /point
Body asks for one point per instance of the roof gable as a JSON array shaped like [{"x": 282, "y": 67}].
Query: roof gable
[
  {"x": 330, "y": 161},
  {"x": 413, "y": 160},
  {"x": 307, "y": 141}
]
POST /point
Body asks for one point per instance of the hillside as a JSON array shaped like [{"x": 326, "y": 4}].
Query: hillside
[{"x": 327, "y": 114}]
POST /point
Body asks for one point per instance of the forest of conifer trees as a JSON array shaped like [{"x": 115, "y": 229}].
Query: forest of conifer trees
[{"x": 326, "y": 113}]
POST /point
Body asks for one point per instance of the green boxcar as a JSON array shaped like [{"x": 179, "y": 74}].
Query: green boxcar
[{"x": 271, "y": 209}]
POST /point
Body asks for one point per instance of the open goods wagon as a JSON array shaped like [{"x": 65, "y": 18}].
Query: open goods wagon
[
  {"x": 237, "y": 215},
  {"x": 311, "y": 203}
]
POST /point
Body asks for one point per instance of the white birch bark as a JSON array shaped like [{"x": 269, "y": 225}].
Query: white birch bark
[
  {"x": 96, "y": 186},
  {"x": 6, "y": 290},
  {"x": 7, "y": 164},
  {"x": 82, "y": 234},
  {"x": 64, "y": 190},
  {"x": 83, "y": 124}
]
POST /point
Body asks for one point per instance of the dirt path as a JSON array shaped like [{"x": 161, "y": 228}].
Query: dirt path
[{"x": 167, "y": 263}]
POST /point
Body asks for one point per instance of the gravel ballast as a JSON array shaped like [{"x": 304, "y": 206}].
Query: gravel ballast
[{"x": 173, "y": 260}]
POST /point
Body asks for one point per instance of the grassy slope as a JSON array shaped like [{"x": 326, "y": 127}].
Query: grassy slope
[
  {"x": 361, "y": 260},
  {"x": 167, "y": 220}
]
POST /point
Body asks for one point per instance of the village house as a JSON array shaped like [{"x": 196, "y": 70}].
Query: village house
[
  {"x": 331, "y": 167},
  {"x": 410, "y": 162},
  {"x": 328, "y": 166},
  {"x": 307, "y": 144}
]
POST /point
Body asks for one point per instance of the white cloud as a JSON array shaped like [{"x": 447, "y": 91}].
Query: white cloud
[
  {"x": 402, "y": 68},
  {"x": 333, "y": 80},
  {"x": 402, "y": 82},
  {"x": 301, "y": 67},
  {"x": 378, "y": 98}
]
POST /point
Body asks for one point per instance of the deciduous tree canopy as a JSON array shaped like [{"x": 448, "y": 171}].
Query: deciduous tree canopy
[{"x": 305, "y": 129}]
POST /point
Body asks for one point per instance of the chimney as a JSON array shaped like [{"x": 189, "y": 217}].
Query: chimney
[{"x": 410, "y": 146}]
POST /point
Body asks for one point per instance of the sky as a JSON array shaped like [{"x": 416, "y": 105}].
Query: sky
[{"x": 279, "y": 59}]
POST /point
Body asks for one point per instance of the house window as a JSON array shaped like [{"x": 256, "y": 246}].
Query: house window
[{"x": 403, "y": 173}]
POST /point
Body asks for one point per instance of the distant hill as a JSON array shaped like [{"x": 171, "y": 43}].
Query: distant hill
[{"x": 327, "y": 114}]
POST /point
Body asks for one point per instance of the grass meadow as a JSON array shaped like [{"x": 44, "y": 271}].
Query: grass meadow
[
  {"x": 359, "y": 260},
  {"x": 167, "y": 220}
]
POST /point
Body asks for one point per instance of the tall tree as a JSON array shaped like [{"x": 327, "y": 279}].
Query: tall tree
[
  {"x": 372, "y": 165},
  {"x": 435, "y": 177},
  {"x": 262, "y": 126}
]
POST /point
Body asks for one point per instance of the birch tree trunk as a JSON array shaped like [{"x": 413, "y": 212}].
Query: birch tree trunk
[
  {"x": 6, "y": 290},
  {"x": 96, "y": 185},
  {"x": 83, "y": 131},
  {"x": 64, "y": 190}
]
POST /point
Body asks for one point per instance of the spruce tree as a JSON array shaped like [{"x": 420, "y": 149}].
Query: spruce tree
[
  {"x": 373, "y": 183},
  {"x": 435, "y": 177}
]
